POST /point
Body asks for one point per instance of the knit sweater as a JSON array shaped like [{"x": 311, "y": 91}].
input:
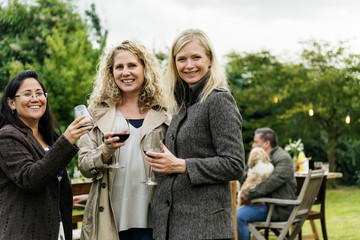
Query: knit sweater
[{"x": 31, "y": 196}]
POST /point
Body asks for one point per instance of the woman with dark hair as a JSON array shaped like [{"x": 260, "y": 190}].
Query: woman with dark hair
[{"x": 36, "y": 195}]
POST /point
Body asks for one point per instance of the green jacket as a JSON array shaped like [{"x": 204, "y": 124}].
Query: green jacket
[{"x": 281, "y": 184}]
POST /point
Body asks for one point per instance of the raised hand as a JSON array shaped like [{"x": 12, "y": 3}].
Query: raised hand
[{"x": 76, "y": 129}]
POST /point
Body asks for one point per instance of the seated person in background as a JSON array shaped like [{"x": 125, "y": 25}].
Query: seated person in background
[
  {"x": 259, "y": 169},
  {"x": 281, "y": 184}
]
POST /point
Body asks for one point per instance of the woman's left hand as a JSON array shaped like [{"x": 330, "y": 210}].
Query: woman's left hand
[{"x": 165, "y": 161}]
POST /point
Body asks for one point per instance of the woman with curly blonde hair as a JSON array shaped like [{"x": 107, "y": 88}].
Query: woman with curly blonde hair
[{"x": 127, "y": 87}]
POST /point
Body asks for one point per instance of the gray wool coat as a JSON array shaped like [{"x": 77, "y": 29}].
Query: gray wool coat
[
  {"x": 31, "y": 195},
  {"x": 198, "y": 205}
]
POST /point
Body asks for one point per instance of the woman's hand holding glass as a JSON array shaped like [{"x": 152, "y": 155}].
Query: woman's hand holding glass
[
  {"x": 81, "y": 110},
  {"x": 111, "y": 144},
  {"x": 113, "y": 141},
  {"x": 76, "y": 129},
  {"x": 165, "y": 161}
]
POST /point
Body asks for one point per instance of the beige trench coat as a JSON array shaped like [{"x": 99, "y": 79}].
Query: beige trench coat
[{"x": 99, "y": 222}]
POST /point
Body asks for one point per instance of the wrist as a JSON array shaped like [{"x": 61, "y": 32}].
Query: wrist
[
  {"x": 182, "y": 166},
  {"x": 106, "y": 153}
]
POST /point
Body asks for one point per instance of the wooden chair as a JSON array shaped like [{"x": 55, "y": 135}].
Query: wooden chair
[
  {"x": 234, "y": 204},
  {"x": 302, "y": 206},
  {"x": 79, "y": 189},
  {"x": 314, "y": 215}
]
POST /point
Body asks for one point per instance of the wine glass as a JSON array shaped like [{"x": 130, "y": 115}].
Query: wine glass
[
  {"x": 123, "y": 136},
  {"x": 81, "y": 110},
  {"x": 152, "y": 144}
]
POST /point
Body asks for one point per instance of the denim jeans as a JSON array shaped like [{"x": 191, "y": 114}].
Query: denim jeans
[
  {"x": 249, "y": 213},
  {"x": 136, "y": 234}
]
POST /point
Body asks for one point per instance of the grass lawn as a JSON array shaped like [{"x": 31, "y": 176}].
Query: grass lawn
[{"x": 342, "y": 213}]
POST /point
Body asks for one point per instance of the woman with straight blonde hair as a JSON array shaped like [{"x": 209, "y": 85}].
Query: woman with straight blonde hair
[
  {"x": 216, "y": 78},
  {"x": 127, "y": 89},
  {"x": 204, "y": 149}
]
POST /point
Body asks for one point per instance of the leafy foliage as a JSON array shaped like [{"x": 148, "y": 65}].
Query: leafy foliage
[
  {"x": 50, "y": 37},
  {"x": 278, "y": 94}
]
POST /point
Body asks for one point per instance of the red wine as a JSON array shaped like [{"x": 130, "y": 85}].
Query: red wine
[
  {"x": 87, "y": 125},
  {"x": 153, "y": 150},
  {"x": 122, "y": 137}
]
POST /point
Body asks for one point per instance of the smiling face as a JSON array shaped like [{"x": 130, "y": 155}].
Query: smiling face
[
  {"x": 29, "y": 102},
  {"x": 192, "y": 63},
  {"x": 128, "y": 72}
]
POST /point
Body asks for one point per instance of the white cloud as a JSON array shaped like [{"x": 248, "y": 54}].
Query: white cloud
[{"x": 232, "y": 25}]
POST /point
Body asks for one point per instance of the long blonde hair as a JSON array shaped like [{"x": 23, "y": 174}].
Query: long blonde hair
[
  {"x": 216, "y": 79},
  {"x": 105, "y": 88}
]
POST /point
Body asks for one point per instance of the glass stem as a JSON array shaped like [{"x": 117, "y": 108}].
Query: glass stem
[{"x": 150, "y": 171}]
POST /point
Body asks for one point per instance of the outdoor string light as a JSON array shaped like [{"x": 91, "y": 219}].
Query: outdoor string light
[
  {"x": 311, "y": 112},
  {"x": 276, "y": 99},
  {"x": 347, "y": 119}
]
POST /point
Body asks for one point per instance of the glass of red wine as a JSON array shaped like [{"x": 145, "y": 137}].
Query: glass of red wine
[
  {"x": 152, "y": 144},
  {"x": 123, "y": 134},
  {"x": 81, "y": 110}
]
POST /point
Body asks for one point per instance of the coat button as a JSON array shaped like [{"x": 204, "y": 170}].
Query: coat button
[
  {"x": 168, "y": 202},
  {"x": 173, "y": 137},
  {"x": 103, "y": 185},
  {"x": 101, "y": 209}
]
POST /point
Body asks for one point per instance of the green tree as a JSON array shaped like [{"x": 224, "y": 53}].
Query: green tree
[
  {"x": 329, "y": 84},
  {"x": 50, "y": 37},
  {"x": 256, "y": 80},
  {"x": 325, "y": 79}
]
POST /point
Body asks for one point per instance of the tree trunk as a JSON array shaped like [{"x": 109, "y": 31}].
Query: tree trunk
[{"x": 332, "y": 143}]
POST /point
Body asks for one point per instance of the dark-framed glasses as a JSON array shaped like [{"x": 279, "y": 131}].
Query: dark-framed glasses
[{"x": 28, "y": 95}]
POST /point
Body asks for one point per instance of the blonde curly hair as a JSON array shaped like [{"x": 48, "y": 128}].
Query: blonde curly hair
[{"x": 105, "y": 88}]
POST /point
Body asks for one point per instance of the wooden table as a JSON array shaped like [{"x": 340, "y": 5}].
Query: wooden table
[
  {"x": 79, "y": 189},
  {"x": 320, "y": 199}
]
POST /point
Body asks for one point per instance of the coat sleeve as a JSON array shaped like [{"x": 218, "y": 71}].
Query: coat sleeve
[
  {"x": 225, "y": 131},
  {"x": 28, "y": 169}
]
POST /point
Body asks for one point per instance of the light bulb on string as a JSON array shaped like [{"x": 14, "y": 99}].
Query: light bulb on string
[
  {"x": 276, "y": 99},
  {"x": 347, "y": 119},
  {"x": 311, "y": 112}
]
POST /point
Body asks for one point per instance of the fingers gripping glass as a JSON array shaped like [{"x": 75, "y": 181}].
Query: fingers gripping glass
[
  {"x": 122, "y": 138},
  {"x": 81, "y": 110},
  {"x": 152, "y": 144}
]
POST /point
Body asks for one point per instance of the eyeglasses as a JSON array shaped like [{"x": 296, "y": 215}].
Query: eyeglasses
[{"x": 28, "y": 95}]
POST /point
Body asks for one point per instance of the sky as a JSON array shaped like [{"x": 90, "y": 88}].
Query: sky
[{"x": 277, "y": 26}]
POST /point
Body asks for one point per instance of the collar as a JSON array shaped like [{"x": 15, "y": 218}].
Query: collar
[
  {"x": 24, "y": 129},
  {"x": 190, "y": 94},
  {"x": 104, "y": 112},
  {"x": 273, "y": 151}
]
